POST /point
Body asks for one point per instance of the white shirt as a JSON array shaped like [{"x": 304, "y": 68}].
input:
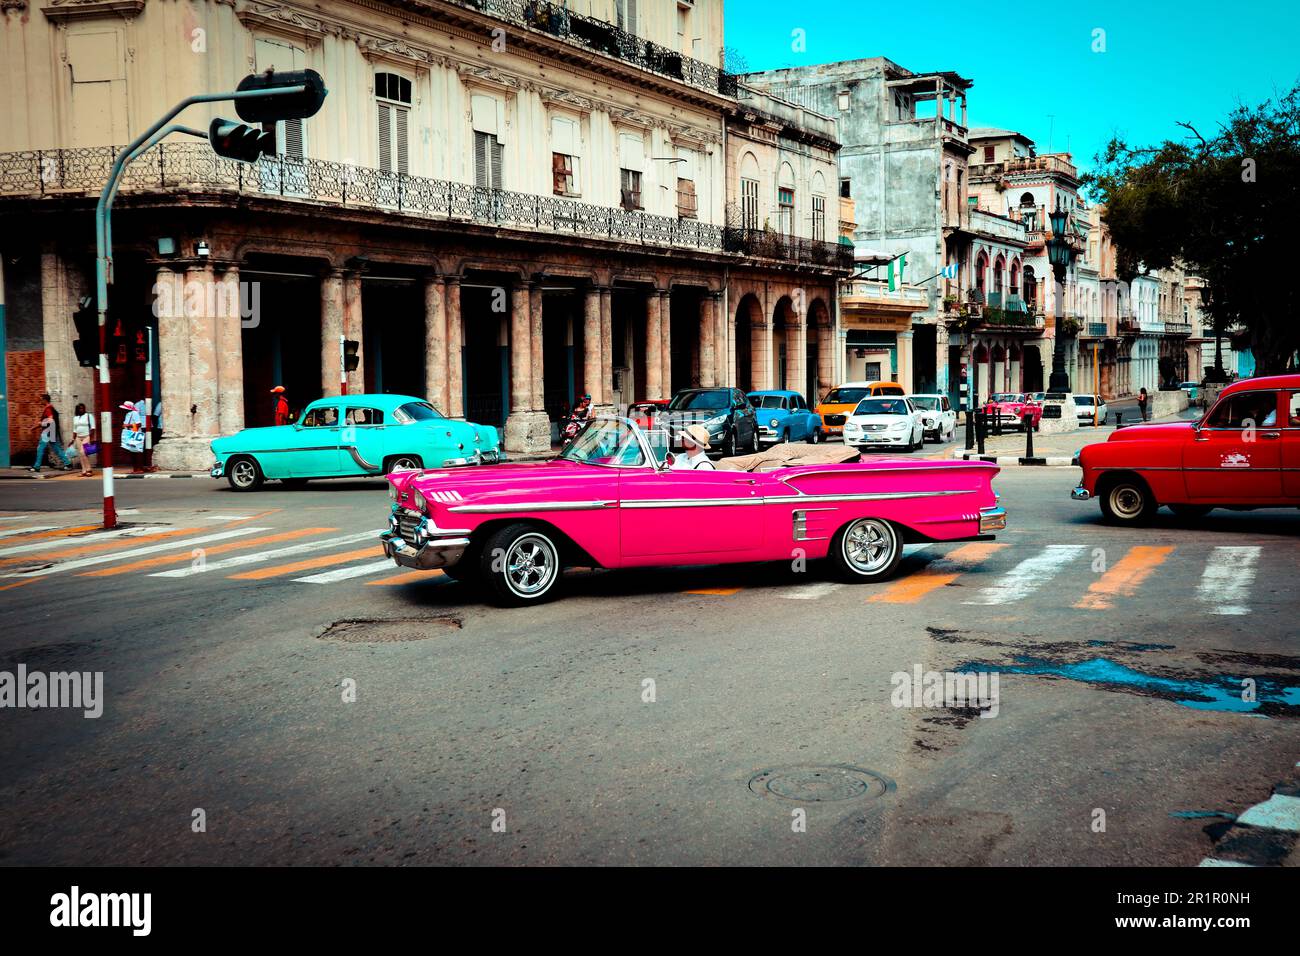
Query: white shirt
[
  {"x": 700, "y": 462},
  {"x": 82, "y": 425}
]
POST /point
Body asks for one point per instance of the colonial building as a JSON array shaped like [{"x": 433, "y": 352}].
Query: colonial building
[{"x": 505, "y": 203}]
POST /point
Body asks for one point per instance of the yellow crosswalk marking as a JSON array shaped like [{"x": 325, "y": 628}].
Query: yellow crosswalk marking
[
  {"x": 306, "y": 565},
  {"x": 936, "y": 574},
  {"x": 722, "y": 592},
  {"x": 147, "y": 563},
  {"x": 407, "y": 577},
  {"x": 1124, "y": 577},
  {"x": 77, "y": 552}
]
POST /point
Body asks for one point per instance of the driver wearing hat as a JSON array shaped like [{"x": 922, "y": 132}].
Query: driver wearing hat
[
  {"x": 281, "y": 411},
  {"x": 695, "y": 441}
]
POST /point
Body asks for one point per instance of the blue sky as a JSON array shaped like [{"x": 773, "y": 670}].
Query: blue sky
[{"x": 1164, "y": 61}]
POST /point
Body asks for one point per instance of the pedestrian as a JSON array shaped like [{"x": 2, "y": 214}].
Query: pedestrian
[
  {"x": 83, "y": 431},
  {"x": 1142, "y": 403},
  {"x": 695, "y": 442},
  {"x": 281, "y": 412},
  {"x": 132, "y": 440},
  {"x": 48, "y": 428}
]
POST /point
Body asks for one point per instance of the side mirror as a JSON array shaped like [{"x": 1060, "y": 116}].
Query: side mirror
[{"x": 667, "y": 462}]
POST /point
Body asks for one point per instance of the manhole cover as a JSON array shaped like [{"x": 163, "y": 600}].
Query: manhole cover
[
  {"x": 390, "y": 631},
  {"x": 814, "y": 784}
]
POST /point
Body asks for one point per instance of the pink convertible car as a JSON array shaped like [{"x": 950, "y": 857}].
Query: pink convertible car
[{"x": 612, "y": 500}]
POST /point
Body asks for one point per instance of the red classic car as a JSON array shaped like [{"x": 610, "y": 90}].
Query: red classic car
[
  {"x": 1243, "y": 454},
  {"x": 1016, "y": 408},
  {"x": 613, "y": 499}
]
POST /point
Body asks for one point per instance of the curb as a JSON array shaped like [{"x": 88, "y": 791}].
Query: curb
[
  {"x": 1052, "y": 461},
  {"x": 1267, "y": 834}
]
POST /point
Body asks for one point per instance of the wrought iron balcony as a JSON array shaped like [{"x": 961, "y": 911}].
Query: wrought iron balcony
[
  {"x": 554, "y": 19},
  {"x": 193, "y": 167},
  {"x": 1095, "y": 330},
  {"x": 768, "y": 244}
]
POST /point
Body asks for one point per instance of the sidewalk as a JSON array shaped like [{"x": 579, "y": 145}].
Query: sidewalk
[
  {"x": 20, "y": 473},
  {"x": 1057, "y": 450}
]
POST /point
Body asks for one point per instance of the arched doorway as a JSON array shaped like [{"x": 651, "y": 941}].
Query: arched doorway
[
  {"x": 998, "y": 370},
  {"x": 780, "y": 360},
  {"x": 748, "y": 316},
  {"x": 820, "y": 363}
]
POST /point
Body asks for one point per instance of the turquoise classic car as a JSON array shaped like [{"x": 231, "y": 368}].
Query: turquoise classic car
[{"x": 348, "y": 436}]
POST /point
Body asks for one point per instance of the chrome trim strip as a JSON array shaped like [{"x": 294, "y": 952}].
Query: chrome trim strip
[
  {"x": 534, "y": 506},
  {"x": 872, "y": 496},
  {"x": 356, "y": 456},
  {"x": 692, "y": 502}
]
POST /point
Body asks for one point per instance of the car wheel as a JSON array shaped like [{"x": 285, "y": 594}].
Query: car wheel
[
  {"x": 815, "y": 437},
  {"x": 867, "y": 549},
  {"x": 402, "y": 463},
  {"x": 1127, "y": 500},
  {"x": 520, "y": 565},
  {"x": 753, "y": 440},
  {"x": 729, "y": 449},
  {"x": 243, "y": 473},
  {"x": 1191, "y": 511}
]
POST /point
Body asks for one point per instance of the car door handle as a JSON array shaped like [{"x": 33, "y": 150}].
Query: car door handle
[
  {"x": 1270, "y": 434},
  {"x": 746, "y": 481}
]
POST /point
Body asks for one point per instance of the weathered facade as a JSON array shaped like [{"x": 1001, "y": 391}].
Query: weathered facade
[{"x": 507, "y": 204}]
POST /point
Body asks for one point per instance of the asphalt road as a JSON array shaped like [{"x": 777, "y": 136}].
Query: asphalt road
[{"x": 230, "y": 627}]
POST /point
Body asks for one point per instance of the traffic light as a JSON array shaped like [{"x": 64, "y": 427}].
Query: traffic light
[
  {"x": 281, "y": 106},
  {"x": 350, "y": 358},
  {"x": 237, "y": 141},
  {"x": 86, "y": 321}
]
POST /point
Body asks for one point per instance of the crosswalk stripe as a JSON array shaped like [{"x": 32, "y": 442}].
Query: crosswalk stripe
[
  {"x": 258, "y": 557},
  {"x": 282, "y": 569},
  {"x": 342, "y": 574},
  {"x": 720, "y": 592},
  {"x": 134, "y": 552},
  {"x": 1227, "y": 578},
  {"x": 94, "y": 543},
  {"x": 1029, "y": 575},
  {"x": 1124, "y": 577},
  {"x": 408, "y": 577},
  {"x": 809, "y": 592},
  {"x": 9, "y": 532},
  {"x": 16, "y": 517},
  {"x": 206, "y": 552},
  {"x": 938, "y": 573}
]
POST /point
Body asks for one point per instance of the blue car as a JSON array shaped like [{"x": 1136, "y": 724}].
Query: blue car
[
  {"x": 348, "y": 436},
  {"x": 785, "y": 416}
]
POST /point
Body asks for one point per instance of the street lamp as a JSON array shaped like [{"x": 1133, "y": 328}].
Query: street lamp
[{"x": 1060, "y": 253}]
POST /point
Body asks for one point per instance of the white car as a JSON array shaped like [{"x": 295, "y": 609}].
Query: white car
[
  {"x": 1085, "y": 405},
  {"x": 938, "y": 417},
  {"x": 892, "y": 420}
]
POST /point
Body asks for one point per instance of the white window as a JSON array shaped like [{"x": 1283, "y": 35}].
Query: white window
[
  {"x": 631, "y": 149},
  {"x": 565, "y": 156},
  {"x": 749, "y": 203},
  {"x": 785, "y": 199},
  {"x": 687, "y": 200},
  {"x": 819, "y": 218},
  {"x": 393, "y": 102},
  {"x": 627, "y": 16},
  {"x": 288, "y": 176},
  {"x": 486, "y": 117}
]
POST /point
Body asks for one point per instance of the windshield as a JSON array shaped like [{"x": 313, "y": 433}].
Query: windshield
[
  {"x": 845, "y": 396},
  {"x": 765, "y": 401},
  {"x": 881, "y": 406},
  {"x": 1008, "y": 397},
  {"x": 416, "y": 412},
  {"x": 1083, "y": 399},
  {"x": 714, "y": 398},
  {"x": 605, "y": 441},
  {"x": 889, "y": 390},
  {"x": 929, "y": 404}
]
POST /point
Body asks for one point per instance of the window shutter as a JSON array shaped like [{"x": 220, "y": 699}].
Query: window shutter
[
  {"x": 633, "y": 22},
  {"x": 495, "y": 146},
  {"x": 400, "y": 116},
  {"x": 480, "y": 160},
  {"x": 293, "y": 139},
  {"x": 558, "y": 177},
  {"x": 385, "y": 137}
]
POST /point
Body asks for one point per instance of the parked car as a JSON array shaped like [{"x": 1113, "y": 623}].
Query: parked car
[
  {"x": 841, "y": 400},
  {"x": 885, "y": 421},
  {"x": 725, "y": 412},
  {"x": 1244, "y": 453},
  {"x": 1193, "y": 390},
  {"x": 785, "y": 416},
  {"x": 1016, "y": 409},
  {"x": 612, "y": 500},
  {"x": 353, "y": 435},
  {"x": 1035, "y": 398},
  {"x": 1088, "y": 405},
  {"x": 937, "y": 416}
]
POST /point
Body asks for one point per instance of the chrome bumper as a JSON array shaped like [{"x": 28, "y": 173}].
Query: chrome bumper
[
  {"x": 1080, "y": 493},
  {"x": 218, "y": 470},
  {"x": 993, "y": 519},
  {"x": 437, "y": 553},
  {"x": 478, "y": 458}
]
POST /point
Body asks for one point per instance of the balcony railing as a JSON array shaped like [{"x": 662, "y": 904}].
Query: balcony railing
[
  {"x": 878, "y": 290},
  {"x": 768, "y": 244},
  {"x": 554, "y": 19},
  {"x": 1009, "y": 319},
  {"x": 1178, "y": 328},
  {"x": 1128, "y": 325},
  {"x": 194, "y": 167},
  {"x": 1096, "y": 330}
]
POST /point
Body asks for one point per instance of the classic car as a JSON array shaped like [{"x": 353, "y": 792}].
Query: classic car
[
  {"x": 785, "y": 416},
  {"x": 841, "y": 400},
  {"x": 1193, "y": 390},
  {"x": 885, "y": 421},
  {"x": 1244, "y": 453},
  {"x": 1016, "y": 410},
  {"x": 937, "y": 415},
  {"x": 1091, "y": 409},
  {"x": 725, "y": 412},
  {"x": 612, "y": 500},
  {"x": 345, "y": 436}
]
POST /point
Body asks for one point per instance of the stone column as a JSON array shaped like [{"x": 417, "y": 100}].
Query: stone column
[
  {"x": 230, "y": 356},
  {"x": 905, "y": 361},
  {"x": 708, "y": 335},
  {"x": 200, "y": 296},
  {"x": 796, "y": 354},
  {"x": 436, "y": 354},
  {"x": 666, "y": 343},
  {"x": 825, "y": 361},
  {"x": 591, "y": 346},
  {"x": 455, "y": 348},
  {"x": 761, "y": 350},
  {"x": 606, "y": 348},
  {"x": 654, "y": 370},
  {"x": 176, "y": 451},
  {"x": 67, "y": 382},
  {"x": 527, "y": 431},
  {"x": 535, "y": 341},
  {"x": 331, "y": 328},
  {"x": 352, "y": 329}
]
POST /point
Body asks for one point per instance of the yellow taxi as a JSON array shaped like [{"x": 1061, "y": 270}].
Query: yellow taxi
[{"x": 842, "y": 399}]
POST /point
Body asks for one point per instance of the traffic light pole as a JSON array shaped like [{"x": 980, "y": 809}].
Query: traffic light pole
[
  {"x": 104, "y": 264},
  {"x": 343, "y": 365}
]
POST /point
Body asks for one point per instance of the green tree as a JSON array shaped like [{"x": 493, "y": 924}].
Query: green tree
[{"x": 1228, "y": 209}]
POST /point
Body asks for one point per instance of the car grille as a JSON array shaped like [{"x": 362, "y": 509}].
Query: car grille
[
  {"x": 834, "y": 419},
  {"x": 407, "y": 523},
  {"x": 874, "y": 428}
]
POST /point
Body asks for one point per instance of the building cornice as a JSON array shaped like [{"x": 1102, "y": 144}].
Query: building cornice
[{"x": 62, "y": 10}]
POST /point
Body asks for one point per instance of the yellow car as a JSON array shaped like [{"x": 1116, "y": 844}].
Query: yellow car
[{"x": 841, "y": 400}]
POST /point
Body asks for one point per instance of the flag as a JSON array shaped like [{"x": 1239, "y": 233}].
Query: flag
[
  {"x": 950, "y": 271},
  {"x": 896, "y": 267}
]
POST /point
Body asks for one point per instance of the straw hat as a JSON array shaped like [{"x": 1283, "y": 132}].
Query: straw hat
[
  {"x": 697, "y": 435},
  {"x": 277, "y": 390}
]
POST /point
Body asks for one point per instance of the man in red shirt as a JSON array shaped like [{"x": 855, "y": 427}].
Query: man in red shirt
[{"x": 281, "y": 406}]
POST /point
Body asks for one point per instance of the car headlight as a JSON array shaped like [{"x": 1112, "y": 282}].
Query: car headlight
[
  {"x": 773, "y": 423},
  {"x": 419, "y": 501},
  {"x": 898, "y": 426},
  {"x": 715, "y": 421},
  {"x": 392, "y": 491}
]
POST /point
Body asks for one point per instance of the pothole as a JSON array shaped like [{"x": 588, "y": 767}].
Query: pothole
[
  {"x": 388, "y": 630},
  {"x": 821, "y": 784}
]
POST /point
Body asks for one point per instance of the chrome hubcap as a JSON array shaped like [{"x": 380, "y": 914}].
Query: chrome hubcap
[
  {"x": 1126, "y": 500},
  {"x": 243, "y": 473},
  {"x": 403, "y": 463},
  {"x": 531, "y": 565},
  {"x": 869, "y": 545}
]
